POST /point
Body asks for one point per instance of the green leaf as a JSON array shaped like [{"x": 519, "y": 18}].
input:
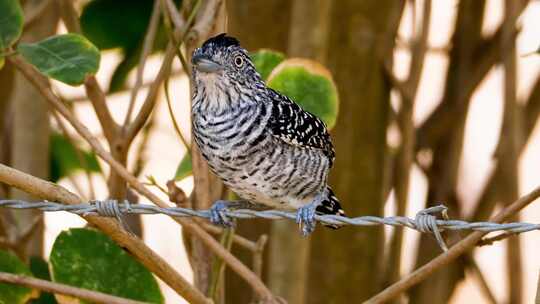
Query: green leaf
[
  {"x": 89, "y": 259},
  {"x": 116, "y": 23},
  {"x": 11, "y": 23},
  {"x": 266, "y": 60},
  {"x": 69, "y": 58},
  {"x": 64, "y": 160},
  {"x": 11, "y": 293},
  {"x": 184, "y": 168},
  {"x": 310, "y": 85},
  {"x": 40, "y": 270},
  {"x": 121, "y": 24}
]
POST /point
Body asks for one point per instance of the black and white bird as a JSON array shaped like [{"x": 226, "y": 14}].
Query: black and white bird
[{"x": 264, "y": 147}]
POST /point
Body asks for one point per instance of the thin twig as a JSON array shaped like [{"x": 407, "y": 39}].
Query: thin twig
[
  {"x": 141, "y": 160},
  {"x": 145, "y": 85},
  {"x": 205, "y": 22},
  {"x": 258, "y": 254},
  {"x": 164, "y": 71},
  {"x": 37, "y": 80},
  {"x": 174, "y": 14},
  {"x": 405, "y": 156},
  {"x": 484, "y": 287},
  {"x": 490, "y": 240},
  {"x": 93, "y": 89},
  {"x": 218, "y": 266},
  {"x": 509, "y": 156},
  {"x": 173, "y": 118},
  {"x": 453, "y": 253},
  {"x": 47, "y": 190},
  {"x": 238, "y": 239},
  {"x": 152, "y": 182},
  {"x": 85, "y": 294},
  {"x": 178, "y": 43},
  {"x": 80, "y": 157},
  {"x": 148, "y": 44}
]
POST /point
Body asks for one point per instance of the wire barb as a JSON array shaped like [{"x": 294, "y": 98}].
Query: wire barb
[{"x": 425, "y": 220}]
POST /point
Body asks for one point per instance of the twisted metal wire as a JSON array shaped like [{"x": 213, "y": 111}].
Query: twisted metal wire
[{"x": 425, "y": 220}]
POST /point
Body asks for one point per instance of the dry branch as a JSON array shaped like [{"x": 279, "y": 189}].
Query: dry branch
[
  {"x": 145, "y": 255},
  {"x": 93, "y": 89},
  {"x": 484, "y": 287},
  {"x": 453, "y": 253},
  {"x": 148, "y": 44},
  {"x": 37, "y": 80},
  {"x": 63, "y": 289},
  {"x": 508, "y": 157},
  {"x": 405, "y": 155}
]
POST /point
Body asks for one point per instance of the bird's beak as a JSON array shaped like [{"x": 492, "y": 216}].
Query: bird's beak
[{"x": 204, "y": 64}]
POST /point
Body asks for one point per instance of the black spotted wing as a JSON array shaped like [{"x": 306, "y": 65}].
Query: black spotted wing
[{"x": 295, "y": 126}]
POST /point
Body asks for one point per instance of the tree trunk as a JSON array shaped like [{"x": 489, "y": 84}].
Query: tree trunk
[
  {"x": 257, "y": 24},
  {"x": 345, "y": 265},
  {"x": 30, "y": 140},
  {"x": 288, "y": 273}
]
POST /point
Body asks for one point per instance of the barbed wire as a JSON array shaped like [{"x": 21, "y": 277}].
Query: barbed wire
[{"x": 425, "y": 220}]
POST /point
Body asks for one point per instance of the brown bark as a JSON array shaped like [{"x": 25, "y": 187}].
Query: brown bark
[
  {"x": 346, "y": 264},
  {"x": 405, "y": 156},
  {"x": 6, "y": 89},
  {"x": 288, "y": 272},
  {"x": 257, "y": 24},
  {"x": 509, "y": 154},
  {"x": 30, "y": 134},
  {"x": 208, "y": 188},
  {"x": 447, "y": 152},
  {"x": 260, "y": 23}
]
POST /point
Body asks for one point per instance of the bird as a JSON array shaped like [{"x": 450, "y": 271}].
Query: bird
[{"x": 263, "y": 146}]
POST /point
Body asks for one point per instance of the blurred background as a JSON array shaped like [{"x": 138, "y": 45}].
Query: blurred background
[{"x": 438, "y": 103}]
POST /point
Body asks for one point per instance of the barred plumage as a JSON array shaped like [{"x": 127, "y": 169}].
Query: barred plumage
[{"x": 263, "y": 146}]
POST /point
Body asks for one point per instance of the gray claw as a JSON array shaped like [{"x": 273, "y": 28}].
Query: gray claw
[
  {"x": 217, "y": 214},
  {"x": 305, "y": 217}
]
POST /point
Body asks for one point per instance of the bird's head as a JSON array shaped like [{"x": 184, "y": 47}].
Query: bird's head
[{"x": 222, "y": 59}]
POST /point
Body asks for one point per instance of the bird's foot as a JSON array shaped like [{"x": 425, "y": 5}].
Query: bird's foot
[
  {"x": 218, "y": 216},
  {"x": 305, "y": 218}
]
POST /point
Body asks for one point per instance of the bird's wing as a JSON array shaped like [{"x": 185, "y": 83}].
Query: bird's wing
[{"x": 294, "y": 126}]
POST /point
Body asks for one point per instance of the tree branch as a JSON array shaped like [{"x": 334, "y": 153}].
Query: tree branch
[
  {"x": 453, "y": 253},
  {"x": 405, "y": 155},
  {"x": 148, "y": 44},
  {"x": 486, "y": 55},
  {"x": 484, "y": 287},
  {"x": 93, "y": 89},
  {"x": 63, "y": 289},
  {"x": 136, "y": 246},
  {"x": 37, "y": 80}
]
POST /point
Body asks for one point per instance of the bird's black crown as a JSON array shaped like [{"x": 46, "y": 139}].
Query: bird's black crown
[{"x": 221, "y": 40}]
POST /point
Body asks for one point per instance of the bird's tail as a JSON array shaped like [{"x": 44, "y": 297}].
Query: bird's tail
[{"x": 330, "y": 205}]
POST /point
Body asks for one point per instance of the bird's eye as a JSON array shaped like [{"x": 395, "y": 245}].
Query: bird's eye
[{"x": 239, "y": 61}]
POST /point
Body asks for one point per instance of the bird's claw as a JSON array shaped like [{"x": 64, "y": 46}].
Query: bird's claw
[
  {"x": 218, "y": 216},
  {"x": 305, "y": 218}
]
